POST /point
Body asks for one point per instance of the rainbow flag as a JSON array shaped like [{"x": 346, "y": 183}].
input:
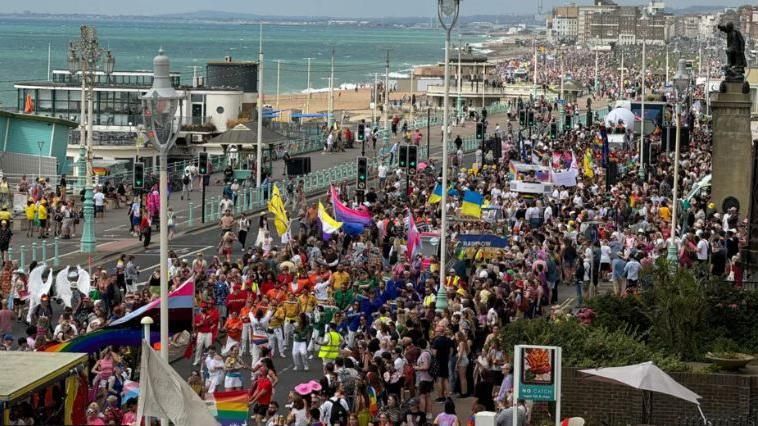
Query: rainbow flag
[
  {"x": 128, "y": 330},
  {"x": 353, "y": 221},
  {"x": 229, "y": 408}
]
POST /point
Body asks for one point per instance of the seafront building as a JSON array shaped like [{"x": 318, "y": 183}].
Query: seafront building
[{"x": 226, "y": 94}]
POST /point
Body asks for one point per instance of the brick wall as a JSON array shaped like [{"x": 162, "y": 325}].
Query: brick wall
[{"x": 723, "y": 396}]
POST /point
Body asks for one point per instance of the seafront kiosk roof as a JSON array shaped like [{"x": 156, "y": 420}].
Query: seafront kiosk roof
[{"x": 25, "y": 372}]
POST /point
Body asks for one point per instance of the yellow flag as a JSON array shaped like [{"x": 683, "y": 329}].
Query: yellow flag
[
  {"x": 587, "y": 164},
  {"x": 276, "y": 207}
]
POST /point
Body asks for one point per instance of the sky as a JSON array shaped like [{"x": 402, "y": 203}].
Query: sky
[{"x": 334, "y": 8}]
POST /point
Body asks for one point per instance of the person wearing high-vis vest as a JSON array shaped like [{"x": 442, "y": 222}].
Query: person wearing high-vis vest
[{"x": 330, "y": 346}]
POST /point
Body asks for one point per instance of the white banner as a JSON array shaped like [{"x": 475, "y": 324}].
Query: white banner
[{"x": 567, "y": 178}]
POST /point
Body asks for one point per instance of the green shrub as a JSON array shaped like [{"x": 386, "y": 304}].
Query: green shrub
[
  {"x": 620, "y": 313},
  {"x": 586, "y": 347}
]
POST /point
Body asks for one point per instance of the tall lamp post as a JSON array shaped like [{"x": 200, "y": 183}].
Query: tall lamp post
[
  {"x": 84, "y": 54},
  {"x": 681, "y": 85},
  {"x": 447, "y": 12},
  {"x": 159, "y": 107}
]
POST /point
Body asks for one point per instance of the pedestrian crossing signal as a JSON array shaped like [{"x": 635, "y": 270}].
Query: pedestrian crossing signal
[
  {"x": 362, "y": 172},
  {"x": 412, "y": 158},
  {"x": 202, "y": 163},
  {"x": 402, "y": 160},
  {"x": 139, "y": 175}
]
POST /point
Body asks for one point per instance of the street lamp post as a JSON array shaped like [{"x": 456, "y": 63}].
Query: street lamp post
[
  {"x": 83, "y": 56},
  {"x": 447, "y": 10},
  {"x": 41, "y": 145},
  {"x": 159, "y": 110},
  {"x": 681, "y": 84}
]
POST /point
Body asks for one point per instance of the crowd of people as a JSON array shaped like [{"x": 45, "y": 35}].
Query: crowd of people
[{"x": 361, "y": 315}]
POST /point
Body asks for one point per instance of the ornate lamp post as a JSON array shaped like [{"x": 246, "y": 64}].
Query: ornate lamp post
[
  {"x": 447, "y": 11},
  {"x": 159, "y": 107},
  {"x": 681, "y": 85},
  {"x": 83, "y": 57}
]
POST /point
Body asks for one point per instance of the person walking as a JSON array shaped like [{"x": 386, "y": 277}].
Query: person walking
[
  {"x": 243, "y": 225},
  {"x": 171, "y": 221},
  {"x": 145, "y": 228}
]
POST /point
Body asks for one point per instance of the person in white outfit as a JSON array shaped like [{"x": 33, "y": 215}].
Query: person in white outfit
[{"x": 259, "y": 328}]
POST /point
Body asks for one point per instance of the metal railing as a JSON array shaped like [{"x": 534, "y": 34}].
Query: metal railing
[{"x": 44, "y": 251}]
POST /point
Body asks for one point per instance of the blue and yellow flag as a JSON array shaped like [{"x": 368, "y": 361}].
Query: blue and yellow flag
[
  {"x": 436, "y": 195},
  {"x": 472, "y": 204}
]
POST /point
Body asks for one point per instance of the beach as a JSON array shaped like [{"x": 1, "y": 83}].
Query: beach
[{"x": 356, "y": 102}]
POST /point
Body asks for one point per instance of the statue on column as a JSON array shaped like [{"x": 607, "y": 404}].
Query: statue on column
[{"x": 735, "y": 53}]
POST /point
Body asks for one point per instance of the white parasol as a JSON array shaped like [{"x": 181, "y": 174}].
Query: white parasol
[
  {"x": 620, "y": 114},
  {"x": 646, "y": 377}
]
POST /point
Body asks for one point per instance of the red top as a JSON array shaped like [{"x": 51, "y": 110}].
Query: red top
[
  {"x": 236, "y": 301},
  {"x": 266, "y": 389},
  {"x": 204, "y": 323}
]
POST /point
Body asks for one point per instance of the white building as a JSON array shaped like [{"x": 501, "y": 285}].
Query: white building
[{"x": 228, "y": 92}]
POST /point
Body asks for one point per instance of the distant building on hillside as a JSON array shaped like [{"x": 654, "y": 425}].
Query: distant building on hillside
[
  {"x": 605, "y": 22},
  {"x": 563, "y": 25},
  {"x": 749, "y": 22}
]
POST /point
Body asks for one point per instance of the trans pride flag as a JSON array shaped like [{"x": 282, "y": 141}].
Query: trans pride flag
[{"x": 353, "y": 221}]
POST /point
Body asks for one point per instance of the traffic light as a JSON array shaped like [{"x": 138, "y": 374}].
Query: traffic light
[
  {"x": 362, "y": 173},
  {"x": 202, "y": 163},
  {"x": 480, "y": 131},
  {"x": 412, "y": 159},
  {"x": 361, "y": 132},
  {"x": 139, "y": 175},
  {"x": 402, "y": 159},
  {"x": 522, "y": 117},
  {"x": 530, "y": 118},
  {"x": 553, "y": 130}
]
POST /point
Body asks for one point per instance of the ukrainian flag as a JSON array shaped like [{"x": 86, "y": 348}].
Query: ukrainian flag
[
  {"x": 436, "y": 195},
  {"x": 472, "y": 204}
]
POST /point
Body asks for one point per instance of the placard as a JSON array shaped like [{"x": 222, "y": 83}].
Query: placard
[{"x": 537, "y": 375}]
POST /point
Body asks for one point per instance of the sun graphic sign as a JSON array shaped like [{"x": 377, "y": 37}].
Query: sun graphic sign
[{"x": 537, "y": 374}]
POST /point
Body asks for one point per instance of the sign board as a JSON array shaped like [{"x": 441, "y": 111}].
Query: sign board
[
  {"x": 530, "y": 187},
  {"x": 537, "y": 375},
  {"x": 484, "y": 240}
]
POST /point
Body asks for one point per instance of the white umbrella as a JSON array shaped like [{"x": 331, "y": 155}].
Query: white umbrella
[
  {"x": 646, "y": 377},
  {"x": 620, "y": 114}
]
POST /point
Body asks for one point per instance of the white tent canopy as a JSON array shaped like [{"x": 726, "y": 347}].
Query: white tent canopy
[
  {"x": 620, "y": 114},
  {"x": 646, "y": 377}
]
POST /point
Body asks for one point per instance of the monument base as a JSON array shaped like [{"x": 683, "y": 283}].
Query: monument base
[{"x": 732, "y": 149}]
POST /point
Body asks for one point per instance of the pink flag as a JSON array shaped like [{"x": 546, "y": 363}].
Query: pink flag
[{"x": 414, "y": 238}]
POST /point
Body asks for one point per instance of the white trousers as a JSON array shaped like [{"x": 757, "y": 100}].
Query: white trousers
[
  {"x": 246, "y": 331},
  {"x": 276, "y": 339},
  {"x": 204, "y": 341},
  {"x": 300, "y": 355}
]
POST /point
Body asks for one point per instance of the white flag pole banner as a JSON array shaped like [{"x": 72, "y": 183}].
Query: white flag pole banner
[
  {"x": 163, "y": 393},
  {"x": 567, "y": 178}
]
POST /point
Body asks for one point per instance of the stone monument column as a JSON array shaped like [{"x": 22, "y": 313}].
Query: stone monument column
[{"x": 732, "y": 148}]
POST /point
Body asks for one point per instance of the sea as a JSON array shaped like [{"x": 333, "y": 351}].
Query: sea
[{"x": 359, "y": 51}]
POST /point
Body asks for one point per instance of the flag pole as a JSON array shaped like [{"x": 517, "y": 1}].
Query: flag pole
[{"x": 146, "y": 322}]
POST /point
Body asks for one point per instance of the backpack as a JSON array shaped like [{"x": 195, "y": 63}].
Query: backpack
[
  {"x": 186, "y": 180},
  {"x": 434, "y": 368},
  {"x": 347, "y": 379},
  {"x": 338, "y": 415}
]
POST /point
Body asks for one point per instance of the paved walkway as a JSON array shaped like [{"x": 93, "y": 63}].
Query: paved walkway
[{"x": 112, "y": 230}]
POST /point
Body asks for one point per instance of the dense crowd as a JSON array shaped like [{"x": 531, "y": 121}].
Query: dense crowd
[{"x": 364, "y": 318}]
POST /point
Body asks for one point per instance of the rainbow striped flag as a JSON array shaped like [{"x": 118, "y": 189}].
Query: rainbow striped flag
[
  {"x": 127, "y": 331},
  {"x": 229, "y": 408}
]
